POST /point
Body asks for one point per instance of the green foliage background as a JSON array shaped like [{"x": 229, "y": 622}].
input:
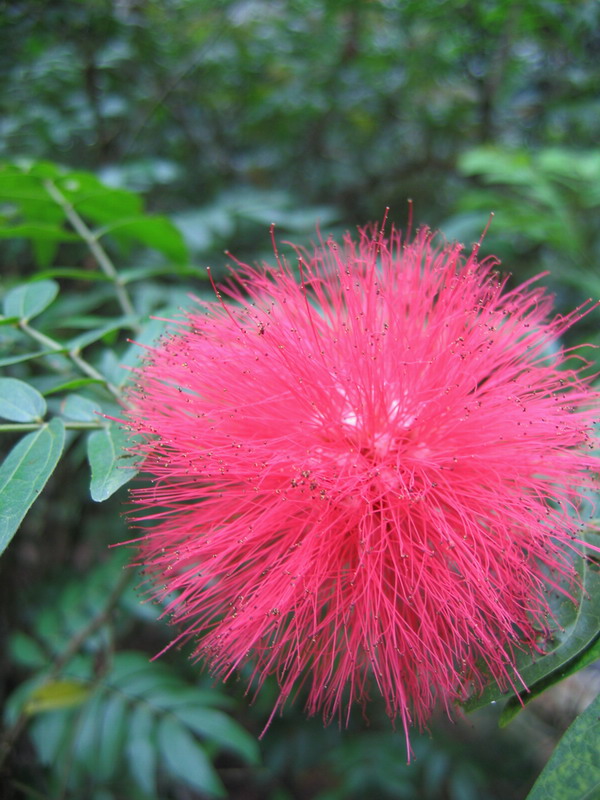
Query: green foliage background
[{"x": 140, "y": 139}]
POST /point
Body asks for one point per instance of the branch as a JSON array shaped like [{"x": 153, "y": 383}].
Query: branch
[
  {"x": 24, "y": 427},
  {"x": 73, "y": 646},
  {"x": 91, "y": 240},
  {"x": 80, "y": 362}
]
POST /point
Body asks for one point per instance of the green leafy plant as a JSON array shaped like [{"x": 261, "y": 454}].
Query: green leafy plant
[
  {"x": 100, "y": 718},
  {"x": 104, "y": 720},
  {"x": 58, "y": 390},
  {"x": 545, "y": 205},
  {"x": 572, "y": 772}
]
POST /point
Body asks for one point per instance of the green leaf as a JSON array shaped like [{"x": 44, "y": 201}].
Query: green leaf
[
  {"x": 173, "y": 696},
  {"x": 185, "y": 759},
  {"x": 128, "y": 664},
  {"x": 156, "y": 232},
  {"x": 29, "y": 299},
  {"x": 110, "y": 463},
  {"x": 20, "y": 402},
  {"x": 38, "y": 169},
  {"x": 24, "y": 473},
  {"x": 86, "y": 734},
  {"x": 40, "y": 231},
  {"x": 27, "y": 652},
  {"x": 218, "y": 727},
  {"x": 80, "y": 409},
  {"x": 7, "y": 362},
  {"x": 580, "y": 625},
  {"x": 498, "y": 164},
  {"x": 85, "y": 339},
  {"x": 573, "y": 771},
  {"x": 113, "y": 720},
  {"x": 581, "y": 660},
  {"x": 75, "y": 274},
  {"x": 56, "y": 695},
  {"x": 76, "y": 383},
  {"x": 15, "y": 185},
  {"x": 141, "y": 273},
  {"x": 140, "y": 748},
  {"x": 50, "y": 733},
  {"x": 44, "y": 251},
  {"x": 96, "y": 201},
  {"x": 159, "y": 687}
]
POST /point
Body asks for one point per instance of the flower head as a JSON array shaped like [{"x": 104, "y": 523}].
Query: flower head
[{"x": 365, "y": 477}]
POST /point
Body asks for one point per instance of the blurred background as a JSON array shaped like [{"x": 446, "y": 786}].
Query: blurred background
[
  {"x": 225, "y": 116},
  {"x": 230, "y": 115}
]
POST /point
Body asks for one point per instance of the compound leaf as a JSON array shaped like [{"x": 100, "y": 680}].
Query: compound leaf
[{"x": 24, "y": 473}]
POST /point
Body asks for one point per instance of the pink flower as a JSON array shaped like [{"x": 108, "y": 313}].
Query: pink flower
[{"x": 365, "y": 479}]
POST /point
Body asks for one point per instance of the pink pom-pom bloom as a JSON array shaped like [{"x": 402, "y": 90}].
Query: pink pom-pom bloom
[{"x": 370, "y": 475}]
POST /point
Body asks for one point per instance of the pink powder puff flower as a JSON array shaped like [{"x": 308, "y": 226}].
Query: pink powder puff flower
[{"x": 366, "y": 477}]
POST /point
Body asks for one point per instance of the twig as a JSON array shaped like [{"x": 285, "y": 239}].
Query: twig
[
  {"x": 25, "y": 427},
  {"x": 96, "y": 622},
  {"x": 80, "y": 362},
  {"x": 96, "y": 248},
  {"x": 73, "y": 646}
]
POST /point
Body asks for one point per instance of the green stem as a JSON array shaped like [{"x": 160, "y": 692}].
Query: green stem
[
  {"x": 102, "y": 617},
  {"x": 72, "y": 648},
  {"x": 96, "y": 248},
  {"x": 24, "y": 427},
  {"x": 80, "y": 362},
  {"x": 51, "y": 344},
  {"x": 91, "y": 372}
]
